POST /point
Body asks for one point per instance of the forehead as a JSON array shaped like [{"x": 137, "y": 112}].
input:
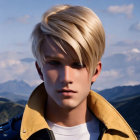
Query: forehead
[{"x": 51, "y": 49}]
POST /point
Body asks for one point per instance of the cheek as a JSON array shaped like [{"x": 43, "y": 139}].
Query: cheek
[
  {"x": 50, "y": 76},
  {"x": 85, "y": 77},
  {"x": 86, "y": 82}
]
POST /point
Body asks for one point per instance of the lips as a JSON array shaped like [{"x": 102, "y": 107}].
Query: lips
[{"x": 66, "y": 91}]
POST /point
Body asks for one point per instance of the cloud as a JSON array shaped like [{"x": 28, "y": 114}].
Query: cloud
[
  {"x": 110, "y": 74},
  {"x": 18, "y": 66},
  {"x": 20, "y": 44},
  {"x": 130, "y": 70},
  {"x": 12, "y": 67},
  {"x": 120, "y": 69},
  {"x": 27, "y": 60},
  {"x": 9, "y": 63},
  {"x": 135, "y": 50},
  {"x": 108, "y": 79},
  {"x": 13, "y": 55},
  {"x": 135, "y": 27},
  {"x": 127, "y": 43},
  {"x": 122, "y": 9},
  {"x": 23, "y": 19},
  {"x": 132, "y": 83}
]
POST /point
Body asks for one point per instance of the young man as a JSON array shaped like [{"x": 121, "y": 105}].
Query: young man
[{"x": 68, "y": 45}]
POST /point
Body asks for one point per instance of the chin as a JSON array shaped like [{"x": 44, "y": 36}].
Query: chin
[{"x": 68, "y": 106}]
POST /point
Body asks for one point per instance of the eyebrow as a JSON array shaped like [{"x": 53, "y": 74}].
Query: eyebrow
[{"x": 52, "y": 57}]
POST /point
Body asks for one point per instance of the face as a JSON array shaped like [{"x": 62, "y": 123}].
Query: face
[{"x": 66, "y": 81}]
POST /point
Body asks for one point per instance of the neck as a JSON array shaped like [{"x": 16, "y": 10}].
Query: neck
[{"x": 68, "y": 117}]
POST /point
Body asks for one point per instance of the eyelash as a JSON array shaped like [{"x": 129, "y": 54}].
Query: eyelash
[
  {"x": 53, "y": 62},
  {"x": 77, "y": 65}
]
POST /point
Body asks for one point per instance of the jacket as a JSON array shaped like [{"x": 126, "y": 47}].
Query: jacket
[{"x": 35, "y": 127}]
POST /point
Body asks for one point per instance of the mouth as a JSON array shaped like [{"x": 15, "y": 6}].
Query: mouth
[{"x": 66, "y": 91}]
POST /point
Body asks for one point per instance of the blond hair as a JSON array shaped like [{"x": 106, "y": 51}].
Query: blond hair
[{"x": 78, "y": 27}]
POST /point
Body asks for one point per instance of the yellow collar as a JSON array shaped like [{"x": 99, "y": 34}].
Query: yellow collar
[{"x": 33, "y": 117}]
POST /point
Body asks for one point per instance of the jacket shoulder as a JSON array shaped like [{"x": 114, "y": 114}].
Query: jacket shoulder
[{"x": 11, "y": 129}]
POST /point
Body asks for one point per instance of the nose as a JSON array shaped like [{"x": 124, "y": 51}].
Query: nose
[{"x": 66, "y": 75}]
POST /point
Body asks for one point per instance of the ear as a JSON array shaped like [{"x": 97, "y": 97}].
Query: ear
[
  {"x": 97, "y": 72},
  {"x": 39, "y": 71}
]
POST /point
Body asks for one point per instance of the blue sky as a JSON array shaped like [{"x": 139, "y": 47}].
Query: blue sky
[{"x": 121, "y": 21}]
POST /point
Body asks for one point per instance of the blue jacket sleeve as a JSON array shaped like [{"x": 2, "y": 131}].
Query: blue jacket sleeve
[{"x": 11, "y": 130}]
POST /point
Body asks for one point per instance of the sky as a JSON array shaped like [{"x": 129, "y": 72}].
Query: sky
[{"x": 121, "y": 21}]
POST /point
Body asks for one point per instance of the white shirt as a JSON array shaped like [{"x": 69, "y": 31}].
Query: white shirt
[{"x": 86, "y": 131}]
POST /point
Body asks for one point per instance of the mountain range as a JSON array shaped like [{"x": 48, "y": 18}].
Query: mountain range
[
  {"x": 16, "y": 87},
  {"x": 15, "y": 90},
  {"x": 120, "y": 92}
]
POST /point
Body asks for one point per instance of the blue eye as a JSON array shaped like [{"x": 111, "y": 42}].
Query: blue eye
[{"x": 78, "y": 65}]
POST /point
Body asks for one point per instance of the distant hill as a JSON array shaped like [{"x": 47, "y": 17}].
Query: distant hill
[
  {"x": 16, "y": 87},
  {"x": 120, "y": 92},
  {"x": 130, "y": 110},
  {"x": 9, "y": 109},
  {"x": 21, "y": 102},
  {"x": 13, "y": 97}
]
